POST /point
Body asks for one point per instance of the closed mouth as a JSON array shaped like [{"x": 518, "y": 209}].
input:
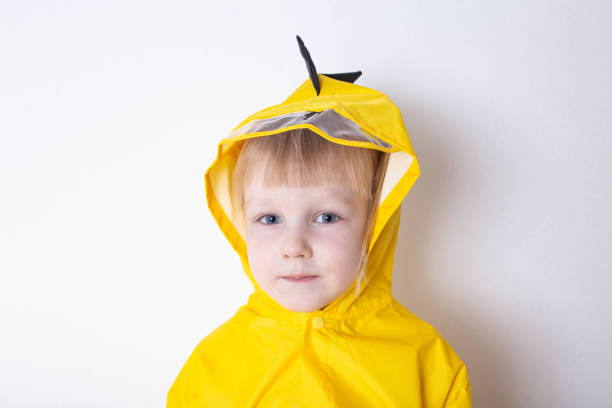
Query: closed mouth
[{"x": 301, "y": 278}]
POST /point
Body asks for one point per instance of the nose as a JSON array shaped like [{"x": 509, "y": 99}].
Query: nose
[{"x": 295, "y": 245}]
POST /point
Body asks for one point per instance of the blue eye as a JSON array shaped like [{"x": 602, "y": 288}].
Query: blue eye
[
  {"x": 270, "y": 219},
  {"x": 327, "y": 218}
]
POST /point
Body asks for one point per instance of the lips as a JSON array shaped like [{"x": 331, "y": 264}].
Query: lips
[{"x": 299, "y": 278}]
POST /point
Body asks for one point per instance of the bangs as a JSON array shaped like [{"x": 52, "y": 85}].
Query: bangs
[{"x": 302, "y": 158}]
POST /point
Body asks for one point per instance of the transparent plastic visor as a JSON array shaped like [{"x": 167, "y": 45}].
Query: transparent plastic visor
[{"x": 329, "y": 121}]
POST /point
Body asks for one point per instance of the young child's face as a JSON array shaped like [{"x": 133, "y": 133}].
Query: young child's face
[{"x": 304, "y": 244}]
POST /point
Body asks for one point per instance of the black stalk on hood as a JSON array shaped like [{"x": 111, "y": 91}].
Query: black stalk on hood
[{"x": 312, "y": 71}]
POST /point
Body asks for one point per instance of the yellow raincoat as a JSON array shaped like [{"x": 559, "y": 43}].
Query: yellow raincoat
[{"x": 363, "y": 350}]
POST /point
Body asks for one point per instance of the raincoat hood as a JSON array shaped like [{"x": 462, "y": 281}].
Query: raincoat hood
[
  {"x": 342, "y": 113},
  {"x": 364, "y": 349}
]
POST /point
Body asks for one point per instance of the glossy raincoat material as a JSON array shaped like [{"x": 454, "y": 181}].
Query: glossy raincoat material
[{"x": 362, "y": 350}]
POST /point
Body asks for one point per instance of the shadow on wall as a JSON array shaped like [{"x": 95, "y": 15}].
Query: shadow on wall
[{"x": 443, "y": 297}]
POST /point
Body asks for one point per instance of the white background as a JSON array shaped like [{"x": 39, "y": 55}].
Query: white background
[{"x": 112, "y": 268}]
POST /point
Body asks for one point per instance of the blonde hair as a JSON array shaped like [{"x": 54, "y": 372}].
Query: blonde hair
[{"x": 300, "y": 157}]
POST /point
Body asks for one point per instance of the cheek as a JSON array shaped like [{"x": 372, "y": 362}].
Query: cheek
[
  {"x": 260, "y": 255},
  {"x": 256, "y": 240},
  {"x": 340, "y": 254}
]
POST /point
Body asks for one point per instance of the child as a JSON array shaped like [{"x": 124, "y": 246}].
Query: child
[{"x": 308, "y": 193}]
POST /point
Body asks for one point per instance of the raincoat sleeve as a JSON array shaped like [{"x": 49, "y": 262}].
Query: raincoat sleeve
[
  {"x": 204, "y": 380},
  {"x": 172, "y": 401},
  {"x": 186, "y": 389},
  {"x": 459, "y": 394},
  {"x": 446, "y": 382},
  {"x": 178, "y": 387}
]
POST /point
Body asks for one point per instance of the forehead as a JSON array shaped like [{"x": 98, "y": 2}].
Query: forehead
[{"x": 258, "y": 193}]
